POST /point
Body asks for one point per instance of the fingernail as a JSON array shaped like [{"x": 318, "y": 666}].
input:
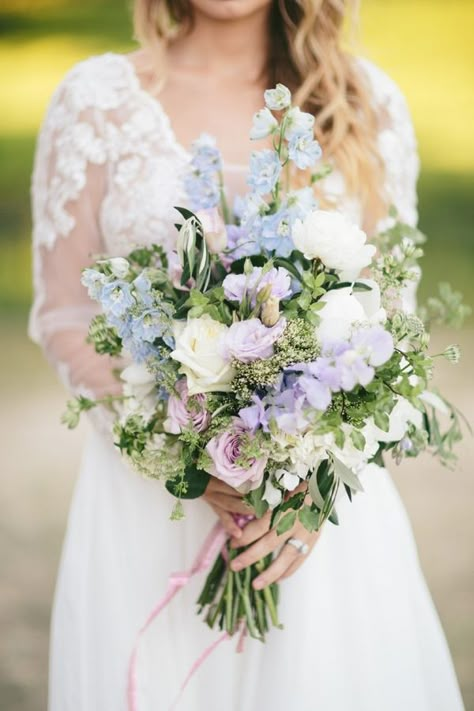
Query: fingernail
[
  {"x": 258, "y": 583},
  {"x": 236, "y": 565}
]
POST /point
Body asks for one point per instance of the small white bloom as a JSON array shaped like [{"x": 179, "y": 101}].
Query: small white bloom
[
  {"x": 199, "y": 350},
  {"x": 287, "y": 479},
  {"x": 344, "y": 309},
  {"x": 402, "y": 415},
  {"x": 119, "y": 266},
  {"x": 272, "y": 495},
  {"x": 278, "y": 98},
  {"x": 139, "y": 387},
  {"x": 264, "y": 124},
  {"x": 298, "y": 121},
  {"x": 330, "y": 237}
]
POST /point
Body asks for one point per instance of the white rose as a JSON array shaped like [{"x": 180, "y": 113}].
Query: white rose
[
  {"x": 402, "y": 415},
  {"x": 330, "y": 237},
  {"x": 199, "y": 350},
  {"x": 343, "y": 308}
]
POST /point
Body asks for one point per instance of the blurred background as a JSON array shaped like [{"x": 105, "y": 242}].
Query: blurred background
[{"x": 427, "y": 47}]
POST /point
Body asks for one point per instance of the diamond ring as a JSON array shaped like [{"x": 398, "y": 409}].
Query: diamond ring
[{"x": 300, "y": 546}]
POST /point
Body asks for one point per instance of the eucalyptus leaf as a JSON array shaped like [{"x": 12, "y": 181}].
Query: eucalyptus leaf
[{"x": 347, "y": 476}]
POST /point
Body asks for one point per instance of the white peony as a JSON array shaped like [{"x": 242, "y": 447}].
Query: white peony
[
  {"x": 344, "y": 308},
  {"x": 330, "y": 237},
  {"x": 402, "y": 415},
  {"x": 199, "y": 350}
]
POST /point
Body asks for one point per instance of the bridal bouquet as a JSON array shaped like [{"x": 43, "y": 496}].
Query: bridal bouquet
[{"x": 272, "y": 350}]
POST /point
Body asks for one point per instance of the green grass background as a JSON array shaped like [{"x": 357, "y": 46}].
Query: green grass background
[{"x": 427, "y": 47}]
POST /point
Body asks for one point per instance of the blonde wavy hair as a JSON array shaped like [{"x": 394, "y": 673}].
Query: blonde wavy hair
[{"x": 307, "y": 54}]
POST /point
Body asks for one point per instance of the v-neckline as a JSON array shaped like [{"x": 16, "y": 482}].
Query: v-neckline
[{"x": 154, "y": 101}]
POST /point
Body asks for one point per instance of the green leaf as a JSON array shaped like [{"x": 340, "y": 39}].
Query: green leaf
[
  {"x": 287, "y": 522},
  {"x": 195, "y": 482},
  {"x": 347, "y": 476},
  {"x": 294, "y": 502},
  {"x": 382, "y": 420},
  {"x": 358, "y": 440},
  {"x": 314, "y": 492},
  {"x": 255, "y": 499},
  {"x": 286, "y": 264},
  {"x": 309, "y": 518}
]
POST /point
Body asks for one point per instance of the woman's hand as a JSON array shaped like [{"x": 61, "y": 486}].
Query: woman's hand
[
  {"x": 288, "y": 560},
  {"x": 225, "y": 501}
]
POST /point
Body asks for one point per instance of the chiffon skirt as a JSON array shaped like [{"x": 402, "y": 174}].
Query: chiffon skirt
[{"x": 361, "y": 632}]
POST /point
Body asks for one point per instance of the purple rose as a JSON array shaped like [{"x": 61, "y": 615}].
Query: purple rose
[
  {"x": 225, "y": 450},
  {"x": 238, "y": 286},
  {"x": 250, "y": 340},
  {"x": 184, "y": 411}
]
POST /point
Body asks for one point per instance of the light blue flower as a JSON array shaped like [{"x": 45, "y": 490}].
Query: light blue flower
[
  {"x": 304, "y": 150},
  {"x": 301, "y": 202},
  {"x": 298, "y": 122},
  {"x": 240, "y": 243},
  {"x": 275, "y": 233},
  {"x": 94, "y": 282},
  {"x": 149, "y": 326},
  {"x": 202, "y": 190},
  {"x": 143, "y": 289},
  {"x": 265, "y": 170},
  {"x": 206, "y": 156},
  {"x": 278, "y": 98},
  {"x": 264, "y": 124},
  {"x": 116, "y": 298}
]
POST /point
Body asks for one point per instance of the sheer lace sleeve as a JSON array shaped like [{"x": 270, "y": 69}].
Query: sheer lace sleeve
[
  {"x": 69, "y": 180},
  {"x": 396, "y": 141},
  {"x": 398, "y": 148}
]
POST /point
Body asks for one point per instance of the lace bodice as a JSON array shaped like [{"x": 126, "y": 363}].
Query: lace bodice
[{"x": 107, "y": 173}]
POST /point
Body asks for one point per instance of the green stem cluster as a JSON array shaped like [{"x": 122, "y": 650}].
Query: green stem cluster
[{"x": 229, "y": 600}]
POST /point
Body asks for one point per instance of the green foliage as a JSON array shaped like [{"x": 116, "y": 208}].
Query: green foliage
[
  {"x": 104, "y": 337},
  {"x": 447, "y": 308}
]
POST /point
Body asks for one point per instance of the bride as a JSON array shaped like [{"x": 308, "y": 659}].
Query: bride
[{"x": 361, "y": 633}]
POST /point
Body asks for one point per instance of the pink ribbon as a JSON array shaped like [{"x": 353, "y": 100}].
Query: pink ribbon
[{"x": 211, "y": 547}]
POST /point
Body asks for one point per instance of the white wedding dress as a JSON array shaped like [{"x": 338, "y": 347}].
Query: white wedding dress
[{"x": 361, "y": 633}]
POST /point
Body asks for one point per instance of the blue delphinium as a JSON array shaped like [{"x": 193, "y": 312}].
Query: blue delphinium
[
  {"x": 275, "y": 233},
  {"x": 116, "y": 298},
  {"x": 265, "y": 170},
  {"x": 304, "y": 150},
  {"x": 202, "y": 183}
]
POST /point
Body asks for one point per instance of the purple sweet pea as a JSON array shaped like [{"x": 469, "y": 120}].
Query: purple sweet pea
[
  {"x": 250, "y": 340},
  {"x": 182, "y": 412},
  {"x": 225, "y": 450},
  {"x": 375, "y": 344},
  {"x": 254, "y": 416}
]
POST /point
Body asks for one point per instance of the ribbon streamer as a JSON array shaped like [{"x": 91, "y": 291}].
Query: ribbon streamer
[{"x": 211, "y": 547}]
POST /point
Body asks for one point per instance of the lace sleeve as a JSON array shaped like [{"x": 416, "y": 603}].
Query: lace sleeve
[
  {"x": 397, "y": 143},
  {"x": 69, "y": 181}
]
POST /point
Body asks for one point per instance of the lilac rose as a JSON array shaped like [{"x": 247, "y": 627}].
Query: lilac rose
[
  {"x": 250, "y": 340},
  {"x": 225, "y": 450},
  {"x": 183, "y": 411}
]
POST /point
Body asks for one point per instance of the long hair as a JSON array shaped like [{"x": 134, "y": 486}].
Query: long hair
[{"x": 306, "y": 53}]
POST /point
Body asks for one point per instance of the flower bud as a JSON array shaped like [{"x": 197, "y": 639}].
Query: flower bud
[
  {"x": 270, "y": 311},
  {"x": 214, "y": 229}
]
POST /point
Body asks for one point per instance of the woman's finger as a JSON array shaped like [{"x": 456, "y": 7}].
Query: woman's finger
[
  {"x": 230, "y": 503},
  {"x": 276, "y": 570},
  {"x": 253, "y": 531},
  {"x": 216, "y": 485},
  {"x": 265, "y": 545},
  {"x": 227, "y": 521}
]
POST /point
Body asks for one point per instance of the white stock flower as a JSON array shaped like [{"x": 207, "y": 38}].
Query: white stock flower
[
  {"x": 278, "y": 98},
  {"x": 298, "y": 121},
  {"x": 402, "y": 415},
  {"x": 139, "y": 386},
  {"x": 199, "y": 350},
  {"x": 330, "y": 237},
  {"x": 264, "y": 124}
]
